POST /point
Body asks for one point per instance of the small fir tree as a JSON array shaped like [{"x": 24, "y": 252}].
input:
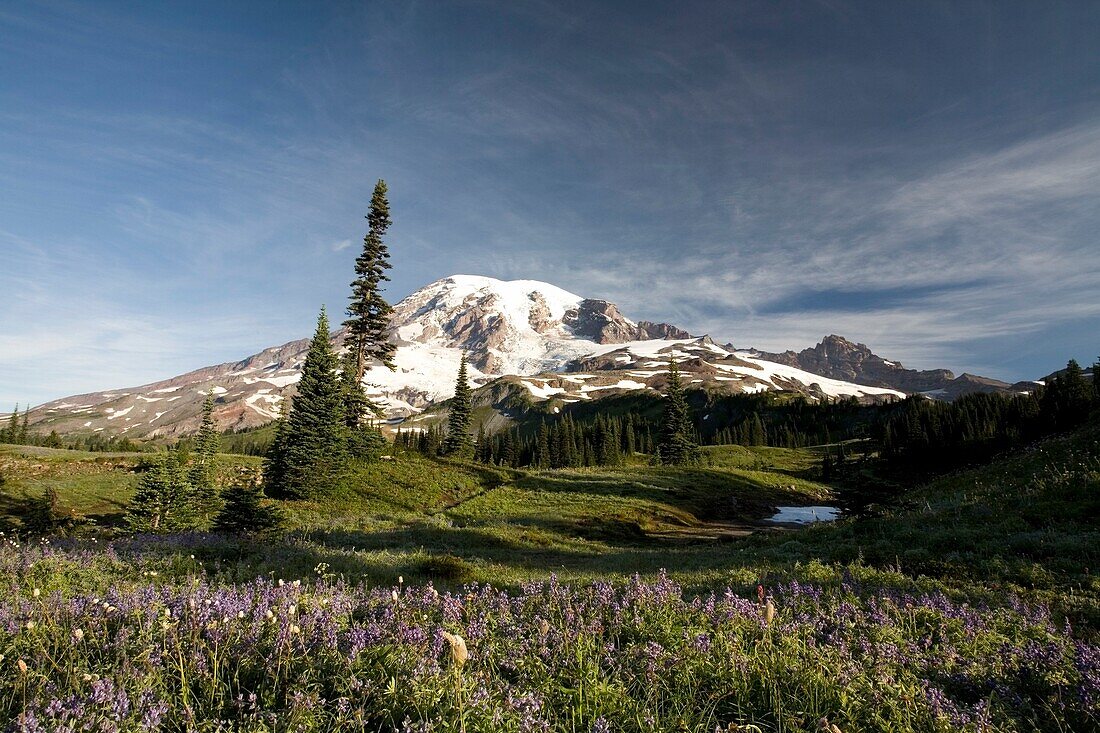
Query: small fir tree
[
  {"x": 11, "y": 434},
  {"x": 243, "y": 510},
  {"x": 203, "y": 472},
  {"x": 45, "y": 515},
  {"x": 458, "y": 419},
  {"x": 677, "y": 445},
  {"x": 275, "y": 457},
  {"x": 163, "y": 501},
  {"x": 312, "y": 451},
  {"x": 1096, "y": 382},
  {"x": 24, "y": 433}
]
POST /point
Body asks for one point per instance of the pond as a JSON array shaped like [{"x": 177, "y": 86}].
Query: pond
[{"x": 805, "y": 514}]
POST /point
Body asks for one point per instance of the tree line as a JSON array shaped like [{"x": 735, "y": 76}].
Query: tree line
[
  {"x": 941, "y": 435},
  {"x": 564, "y": 443},
  {"x": 17, "y": 432}
]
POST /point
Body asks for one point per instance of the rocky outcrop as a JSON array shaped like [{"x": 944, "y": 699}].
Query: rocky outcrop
[
  {"x": 600, "y": 321},
  {"x": 839, "y": 358}
]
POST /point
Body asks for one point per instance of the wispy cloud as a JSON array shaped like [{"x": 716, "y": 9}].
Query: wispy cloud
[{"x": 181, "y": 191}]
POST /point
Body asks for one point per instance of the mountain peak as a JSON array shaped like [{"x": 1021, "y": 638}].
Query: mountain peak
[{"x": 508, "y": 327}]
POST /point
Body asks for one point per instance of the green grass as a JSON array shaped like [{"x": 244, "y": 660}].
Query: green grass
[
  {"x": 1026, "y": 523},
  {"x": 96, "y": 486}
]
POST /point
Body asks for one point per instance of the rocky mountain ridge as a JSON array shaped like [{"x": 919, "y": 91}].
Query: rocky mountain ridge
[{"x": 839, "y": 358}]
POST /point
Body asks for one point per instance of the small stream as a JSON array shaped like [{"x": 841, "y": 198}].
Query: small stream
[{"x": 805, "y": 514}]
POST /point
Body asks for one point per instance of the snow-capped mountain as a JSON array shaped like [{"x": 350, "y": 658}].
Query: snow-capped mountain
[
  {"x": 507, "y": 327},
  {"x": 556, "y": 343}
]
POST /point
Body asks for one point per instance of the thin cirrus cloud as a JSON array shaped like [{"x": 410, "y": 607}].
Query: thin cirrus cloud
[{"x": 186, "y": 188}]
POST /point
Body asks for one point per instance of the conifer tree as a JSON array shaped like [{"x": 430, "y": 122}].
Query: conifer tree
[
  {"x": 368, "y": 312},
  {"x": 483, "y": 452},
  {"x": 203, "y": 473},
  {"x": 507, "y": 454},
  {"x": 311, "y": 452},
  {"x": 23, "y": 434},
  {"x": 756, "y": 433},
  {"x": 1070, "y": 396},
  {"x": 11, "y": 433},
  {"x": 44, "y": 514},
  {"x": 243, "y": 511},
  {"x": 542, "y": 447},
  {"x": 274, "y": 459},
  {"x": 677, "y": 445},
  {"x": 458, "y": 419},
  {"x": 163, "y": 500},
  {"x": 1096, "y": 382}
]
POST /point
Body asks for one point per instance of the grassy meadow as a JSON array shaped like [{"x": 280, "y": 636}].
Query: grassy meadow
[{"x": 637, "y": 598}]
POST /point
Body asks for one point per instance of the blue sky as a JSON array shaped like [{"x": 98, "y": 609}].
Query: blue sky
[{"x": 184, "y": 183}]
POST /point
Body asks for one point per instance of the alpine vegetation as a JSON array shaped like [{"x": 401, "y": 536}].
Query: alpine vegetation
[{"x": 179, "y": 652}]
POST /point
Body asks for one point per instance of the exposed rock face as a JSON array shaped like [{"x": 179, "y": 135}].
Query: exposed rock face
[
  {"x": 651, "y": 330},
  {"x": 839, "y": 358},
  {"x": 600, "y": 321}
]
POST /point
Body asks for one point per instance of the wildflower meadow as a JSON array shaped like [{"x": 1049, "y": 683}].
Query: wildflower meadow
[{"x": 97, "y": 650}]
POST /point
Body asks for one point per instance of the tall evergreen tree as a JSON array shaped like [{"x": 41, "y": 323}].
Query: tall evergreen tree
[
  {"x": 458, "y": 419},
  {"x": 483, "y": 451},
  {"x": 311, "y": 453},
  {"x": 23, "y": 431},
  {"x": 507, "y": 452},
  {"x": 368, "y": 312},
  {"x": 677, "y": 445},
  {"x": 203, "y": 474},
  {"x": 628, "y": 435}
]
